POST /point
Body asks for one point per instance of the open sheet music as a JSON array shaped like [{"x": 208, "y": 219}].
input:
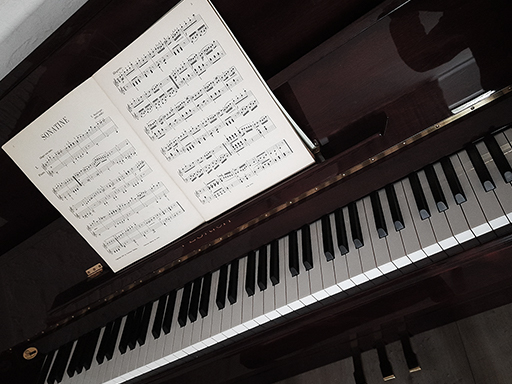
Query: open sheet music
[{"x": 175, "y": 130}]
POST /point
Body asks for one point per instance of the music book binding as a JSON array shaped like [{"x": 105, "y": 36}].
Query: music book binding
[{"x": 176, "y": 129}]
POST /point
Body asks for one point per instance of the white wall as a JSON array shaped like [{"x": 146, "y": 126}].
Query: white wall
[{"x": 24, "y": 24}]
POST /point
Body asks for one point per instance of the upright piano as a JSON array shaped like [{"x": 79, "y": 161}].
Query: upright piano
[{"x": 402, "y": 224}]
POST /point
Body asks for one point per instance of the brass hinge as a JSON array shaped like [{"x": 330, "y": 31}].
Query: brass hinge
[{"x": 94, "y": 271}]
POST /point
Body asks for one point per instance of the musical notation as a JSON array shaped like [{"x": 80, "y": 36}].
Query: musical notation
[
  {"x": 211, "y": 160},
  {"x": 158, "y": 94},
  {"x": 78, "y": 146},
  {"x": 101, "y": 163},
  {"x": 187, "y": 107},
  {"x": 169, "y": 46},
  {"x": 227, "y": 181},
  {"x": 142, "y": 230},
  {"x": 111, "y": 190},
  {"x": 122, "y": 212}
]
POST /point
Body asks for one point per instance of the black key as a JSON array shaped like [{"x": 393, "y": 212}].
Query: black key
[
  {"x": 76, "y": 356},
  {"x": 250, "y": 274},
  {"x": 419, "y": 196},
  {"x": 90, "y": 347},
  {"x": 378, "y": 215},
  {"x": 79, "y": 353},
  {"x": 43, "y": 373},
  {"x": 293, "y": 250},
  {"x": 204, "y": 302},
  {"x": 453, "y": 181},
  {"x": 385, "y": 366},
  {"x": 341, "y": 232},
  {"x": 112, "y": 340},
  {"x": 307, "y": 250},
  {"x": 435, "y": 188},
  {"x": 355, "y": 225},
  {"x": 480, "y": 168},
  {"x": 156, "y": 329},
  {"x": 144, "y": 325},
  {"x": 127, "y": 331},
  {"x": 169, "y": 312},
  {"x": 326, "y": 239},
  {"x": 59, "y": 366},
  {"x": 134, "y": 332},
  {"x": 274, "y": 262},
  {"x": 499, "y": 158},
  {"x": 233, "y": 282},
  {"x": 394, "y": 207},
  {"x": 262, "y": 268},
  {"x": 100, "y": 356},
  {"x": 220, "y": 299},
  {"x": 185, "y": 301},
  {"x": 194, "y": 300}
]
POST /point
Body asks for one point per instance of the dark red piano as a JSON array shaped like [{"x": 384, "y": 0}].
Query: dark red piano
[{"x": 402, "y": 225}]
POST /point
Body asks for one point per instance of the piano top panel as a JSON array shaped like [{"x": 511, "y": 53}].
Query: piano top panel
[{"x": 313, "y": 97}]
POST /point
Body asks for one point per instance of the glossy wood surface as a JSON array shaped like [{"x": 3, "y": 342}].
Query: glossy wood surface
[{"x": 334, "y": 72}]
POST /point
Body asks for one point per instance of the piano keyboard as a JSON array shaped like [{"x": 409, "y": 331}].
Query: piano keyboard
[{"x": 452, "y": 203}]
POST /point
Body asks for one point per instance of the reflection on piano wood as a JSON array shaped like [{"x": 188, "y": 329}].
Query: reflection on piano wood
[
  {"x": 455, "y": 203},
  {"x": 370, "y": 238}
]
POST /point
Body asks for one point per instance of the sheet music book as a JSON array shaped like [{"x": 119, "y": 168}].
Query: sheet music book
[{"x": 176, "y": 129}]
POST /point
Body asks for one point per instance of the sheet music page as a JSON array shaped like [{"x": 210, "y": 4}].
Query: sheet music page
[
  {"x": 195, "y": 100},
  {"x": 94, "y": 169}
]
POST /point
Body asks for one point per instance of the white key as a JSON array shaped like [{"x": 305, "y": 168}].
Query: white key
[
  {"x": 505, "y": 146},
  {"x": 236, "y": 313},
  {"x": 315, "y": 273},
  {"x": 207, "y": 330},
  {"x": 148, "y": 346},
  {"x": 113, "y": 366},
  {"x": 502, "y": 191},
  {"x": 328, "y": 276},
  {"x": 472, "y": 209},
  {"x": 379, "y": 245},
  {"x": 397, "y": 255},
  {"x": 423, "y": 227},
  {"x": 225, "y": 325},
  {"x": 409, "y": 234},
  {"x": 442, "y": 231},
  {"x": 174, "y": 338},
  {"x": 366, "y": 252},
  {"x": 269, "y": 302},
  {"x": 258, "y": 310},
  {"x": 490, "y": 205},
  {"x": 454, "y": 214},
  {"x": 280, "y": 289},
  {"x": 291, "y": 284},
  {"x": 216, "y": 333},
  {"x": 355, "y": 270},
  {"x": 248, "y": 303},
  {"x": 340, "y": 261},
  {"x": 303, "y": 282}
]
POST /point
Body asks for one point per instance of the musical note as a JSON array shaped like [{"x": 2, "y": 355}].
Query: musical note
[
  {"x": 157, "y": 57},
  {"x": 111, "y": 191},
  {"x": 133, "y": 206},
  {"x": 223, "y": 183},
  {"x": 78, "y": 146},
  {"x": 143, "y": 230},
  {"x": 158, "y": 94},
  {"x": 211, "y": 160},
  {"x": 101, "y": 163},
  {"x": 191, "y": 104}
]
